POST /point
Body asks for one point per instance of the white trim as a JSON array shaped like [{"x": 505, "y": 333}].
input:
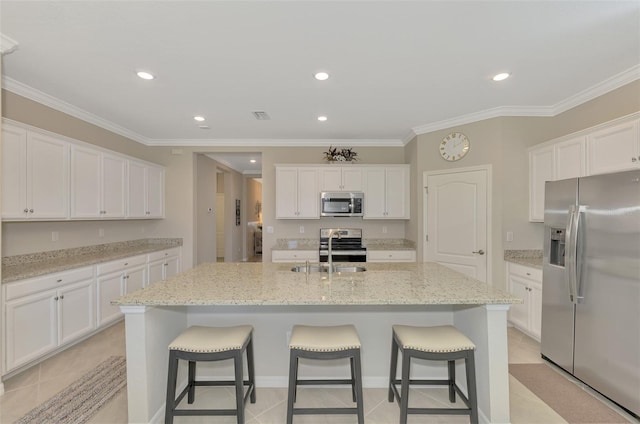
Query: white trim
[
  {"x": 30, "y": 93},
  {"x": 135, "y": 309},
  {"x": 489, "y": 170},
  {"x": 7, "y": 45},
  {"x": 497, "y": 307},
  {"x": 276, "y": 142}
]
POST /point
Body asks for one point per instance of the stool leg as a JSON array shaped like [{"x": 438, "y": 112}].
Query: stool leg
[
  {"x": 358, "y": 380},
  {"x": 394, "y": 366},
  {"x": 451, "y": 365},
  {"x": 353, "y": 381},
  {"x": 171, "y": 388},
  {"x": 251, "y": 371},
  {"x": 237, "y": 361},
  {"x": 471, "y": 386},
  {"x": 192, "y": 382},
  {"x": 404, "y": 392},
  {"x": 293, "y": 371}
]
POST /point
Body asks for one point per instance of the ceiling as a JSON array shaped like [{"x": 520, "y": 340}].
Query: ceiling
[{"x": 397, "y": 68}]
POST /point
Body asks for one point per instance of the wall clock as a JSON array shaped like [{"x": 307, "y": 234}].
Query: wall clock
[{"x": 454, "y": 146}]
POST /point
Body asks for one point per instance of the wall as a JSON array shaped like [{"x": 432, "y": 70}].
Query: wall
[{"x": 205, "y": 205}]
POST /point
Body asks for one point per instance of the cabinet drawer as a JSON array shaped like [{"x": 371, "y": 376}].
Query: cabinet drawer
[
  {"x": 294, "y": 255},
  {"x": 391, "y": 256},
  {"x": 50, "y": 281},
  {"x": 526, "y": 272},
  {"x": 121, "y": 264},
  {"x": 156, "y": 256}
]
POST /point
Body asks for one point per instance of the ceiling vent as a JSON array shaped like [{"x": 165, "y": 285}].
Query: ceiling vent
[{"x": 261, "y": 116}]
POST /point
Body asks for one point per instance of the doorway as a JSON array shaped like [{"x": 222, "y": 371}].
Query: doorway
[{"x": 457, "y": 224}]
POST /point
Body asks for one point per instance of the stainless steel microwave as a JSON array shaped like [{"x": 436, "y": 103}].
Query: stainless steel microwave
[{"x": 337, "y": 203}]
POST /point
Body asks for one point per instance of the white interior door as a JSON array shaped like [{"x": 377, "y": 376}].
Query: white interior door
[{"x": 456, "y": 224}]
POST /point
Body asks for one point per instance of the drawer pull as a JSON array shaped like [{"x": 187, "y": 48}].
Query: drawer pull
[{"x": 59, "y": 280}]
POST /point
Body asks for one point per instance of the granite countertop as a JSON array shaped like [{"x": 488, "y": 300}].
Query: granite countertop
[
  {"x": 276, "y": 284},
  {"x": 532, "y": 258},
  {"x": 370, "y": 244},
  {"x": 35, "y": 264}
]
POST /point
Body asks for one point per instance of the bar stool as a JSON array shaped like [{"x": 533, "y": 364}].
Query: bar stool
[
  {"x": 211, "y": 344},
  {"x": 315, "y": 342},
  {"x": 442, "y": 343}
]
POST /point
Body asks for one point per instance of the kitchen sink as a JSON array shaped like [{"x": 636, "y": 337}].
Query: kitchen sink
[{"x": 325, "y": 268}]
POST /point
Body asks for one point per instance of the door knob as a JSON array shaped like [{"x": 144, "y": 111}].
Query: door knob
[{"x": 479, "y": 252}]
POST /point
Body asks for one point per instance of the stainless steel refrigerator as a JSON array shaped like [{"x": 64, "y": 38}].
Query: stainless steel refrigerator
[{"x": 591, "y": 282}]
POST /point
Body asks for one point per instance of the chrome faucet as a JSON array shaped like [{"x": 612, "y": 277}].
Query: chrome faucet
[{"x": 330, "y": 258}]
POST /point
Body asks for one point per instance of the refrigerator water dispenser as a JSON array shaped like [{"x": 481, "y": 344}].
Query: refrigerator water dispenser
[{"x": 556, "y": 254}]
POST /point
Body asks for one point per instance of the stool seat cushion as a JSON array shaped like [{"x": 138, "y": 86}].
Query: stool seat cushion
[
  {"x": 440, "y": 339},
  {"x": 200, "y": 339},
  {"x": 324, "y": 339}
]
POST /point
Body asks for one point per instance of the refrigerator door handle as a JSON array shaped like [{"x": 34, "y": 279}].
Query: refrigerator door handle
[
  {"x": 577, "y": 265},
  {"x": 570, "y": 259}
]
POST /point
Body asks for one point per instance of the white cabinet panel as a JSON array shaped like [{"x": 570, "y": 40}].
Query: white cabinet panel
[
  {"x": 297, "y": 194},
  {"x": 334, "y": 178},
  {"x": 86, "y": 178},
  {"x": 541, "y": 169},
  {"x": 155, "y": 192},
  {"x": 109, "y": 287},
  {"x": 113, "y": 190},
  {"x": 135, "y": 279},
  {"x": 35, "y": 175},
  {"x": 391, "y": 256},
  {"x": 294, "y": 256},
  {"x": 155, "y": 271},
  {"x": 146, "y": 191},
  {"x": 570, "y": 158},
  {"x": 386, "y": 192},
  {"x": 614, "y": 149},
  {"x": 76, "y": 313},
  {"x": 526, "y": 283}
]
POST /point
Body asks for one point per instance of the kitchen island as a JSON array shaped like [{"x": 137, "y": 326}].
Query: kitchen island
[{"x": 272, "y": 298}]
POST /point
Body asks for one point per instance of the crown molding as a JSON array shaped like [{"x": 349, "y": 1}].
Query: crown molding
[
  {"x": 7, "y": 45},
  {"x": 599, "y": 89},
  {"x": 38, "y": 96},
  {"x": 274, "y": 142}
]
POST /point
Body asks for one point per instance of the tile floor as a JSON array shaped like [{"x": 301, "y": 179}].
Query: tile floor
[{"x": 32, "y": 387}]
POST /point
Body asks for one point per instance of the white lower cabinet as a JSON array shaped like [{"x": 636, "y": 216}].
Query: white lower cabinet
[
  {"x": 526, "y": 283},
  {"x": 163, "y": 265},
  {"x": 44, "y": 313},
  {"x": 294, "y": 256},
  {"x": 115, "y": 279},
  {"x": 391, "y": 256}
]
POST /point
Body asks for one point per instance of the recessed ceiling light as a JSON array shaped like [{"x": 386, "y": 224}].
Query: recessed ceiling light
[
  {"x": 322, "y": 118},
  {"x": 321, "y": 76},
  {"x": 199, "y": 118},
  {"x": 252, "y": 161},
  {"x": 502, "y": 76},
  {"x": 145, "y": 75}
]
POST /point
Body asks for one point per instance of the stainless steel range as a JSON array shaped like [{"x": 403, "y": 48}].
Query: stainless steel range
[{"x": 346, "y": 245}]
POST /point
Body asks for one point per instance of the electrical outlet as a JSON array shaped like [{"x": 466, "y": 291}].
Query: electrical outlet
[
  {"x": 270, "y": 229},
  {"x": 509, "y": 235},
  {"x": 101, "y": 232},
  {"x": 55, "y": 236},
  {"x": 302, "y": 229},
  {"x": 384, "y": 229}
]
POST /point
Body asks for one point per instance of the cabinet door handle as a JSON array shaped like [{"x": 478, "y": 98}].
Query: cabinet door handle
[
  {"x": 55, "y": 298},
  {"x": 479, "y": 252},
  {"x": 59, "y": 280},
  {"x": 633, "y": 159},
  {"x": 30, "y": 210},
  {"x": 61, "y": 296},
  {"x": 26, "y": 210}
]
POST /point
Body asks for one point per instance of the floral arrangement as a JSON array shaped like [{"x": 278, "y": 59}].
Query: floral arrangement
[{"x": 340, "y": 155}]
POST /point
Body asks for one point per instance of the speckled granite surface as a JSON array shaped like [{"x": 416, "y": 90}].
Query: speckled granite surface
[
  {"x": 531, "y": 258},
  {"x": 34, "y": 264},
  {"x": 276, "y": 284},
  {"x": 371, "y": 244},
  {"x": 389, "y": 244}
]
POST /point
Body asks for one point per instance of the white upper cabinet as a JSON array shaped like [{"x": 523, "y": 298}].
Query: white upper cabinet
[
  {"x": 610, "y": 147},
  {"x": 297, "y": 193},
  {"x": 146, "y": 191},
  {"x": 541, "y": 170},
  {"x": 386, "y": 192},
  {"x": 570, "y": 158},
  {"x": 334, "y": 178},
  {"x": 614, "y": 149},
  {"x": 35, "y": 175},
  {"x": 97, "y": 184}
]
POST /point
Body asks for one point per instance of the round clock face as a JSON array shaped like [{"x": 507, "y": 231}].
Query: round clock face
[{"x": 454, "y": 146}]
